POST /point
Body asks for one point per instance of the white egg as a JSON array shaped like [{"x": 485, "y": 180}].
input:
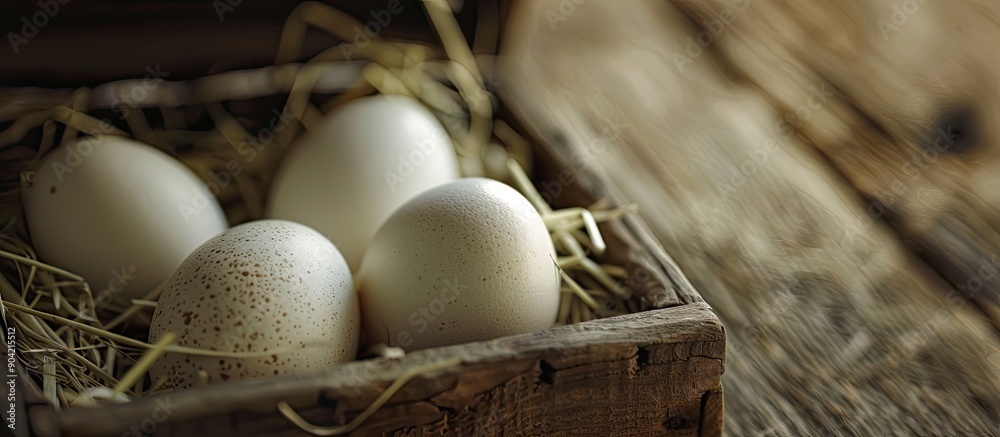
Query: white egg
[
  {"x": 467, "y": 261},
  {"x": 272, "y": 287},
  {"x": 366, "y": 159},
  {"x": 120, "y": 213}
]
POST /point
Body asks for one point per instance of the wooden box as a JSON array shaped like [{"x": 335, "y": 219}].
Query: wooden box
[{"x": 655, "y": 372}]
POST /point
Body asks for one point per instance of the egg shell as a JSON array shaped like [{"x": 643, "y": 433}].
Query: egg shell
[
  {"x": 120, "y": 213},
  {"x": 271, "y": 286},
  {"x": 345, "y": 177},
  {"x": 467, "y": 261}
]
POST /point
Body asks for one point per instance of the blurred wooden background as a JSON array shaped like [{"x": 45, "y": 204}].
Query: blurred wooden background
[{"x": 89, "y": 42}]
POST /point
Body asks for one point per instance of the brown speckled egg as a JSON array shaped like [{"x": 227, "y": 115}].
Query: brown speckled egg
[{"x": 271, "y": 286}]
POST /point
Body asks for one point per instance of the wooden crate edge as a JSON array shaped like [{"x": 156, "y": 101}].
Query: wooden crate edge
[{"x": 693, "y": 326}]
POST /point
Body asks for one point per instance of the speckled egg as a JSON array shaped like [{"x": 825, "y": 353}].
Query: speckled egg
[
  {"x": 272, "y": 287},
  {"x": 466, "y": 261}
]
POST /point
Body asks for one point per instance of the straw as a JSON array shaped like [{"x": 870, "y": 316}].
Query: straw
[{"x": 382, "y": 398}]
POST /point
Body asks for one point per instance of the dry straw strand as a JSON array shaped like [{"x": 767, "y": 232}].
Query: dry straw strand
[{"x": 382, "y": 398}]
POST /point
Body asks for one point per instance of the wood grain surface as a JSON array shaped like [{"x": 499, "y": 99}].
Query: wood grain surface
[
  {"x": 753, "y": 154},
  {"x": 639, "y": 374}
]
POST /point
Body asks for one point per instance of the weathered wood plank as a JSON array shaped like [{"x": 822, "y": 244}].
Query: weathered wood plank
[
  {"x": 834, "y": 327},
  {"x": 907, "y": 115},
  {"x": 605, "y": 371},
  {"x": 712, "y": 413}
]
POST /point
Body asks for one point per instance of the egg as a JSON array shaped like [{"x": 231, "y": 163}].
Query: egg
[
  {"x": 270, "y": 287},
  {"x": 120, "y": 213},
  {"x": 467, "y": 261},
  {"x": 345, "y": 177}
]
